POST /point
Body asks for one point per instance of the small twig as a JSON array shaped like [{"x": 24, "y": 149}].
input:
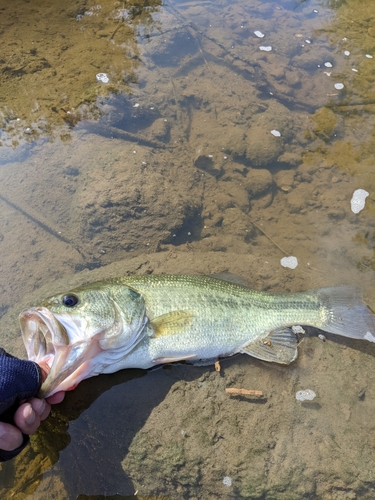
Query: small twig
[
  {"x": 244, "y": 392},
  {"x": 119, "y": 24},
  {"x": 278, "y": 246},
  {"x": 36, "y": 219},
  {"x": 116, "y": 133},
  {"x": 201, "y": 52},
  {"x": 269, "y": 237}
]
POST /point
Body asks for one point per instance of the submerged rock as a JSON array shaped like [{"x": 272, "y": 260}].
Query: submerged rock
[
  {"x": 325, "y": 123},
  {"x": 262, "y": 148},
  {"x": 258, "y": 182}
]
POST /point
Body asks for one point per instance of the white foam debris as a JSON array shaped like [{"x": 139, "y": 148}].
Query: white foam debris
[
  {"x": 259, "y": 34},
  {"x": 266, "y": 48},
  {"x": 369, "y": 56},
  {"x": 297, "y": 329},
  {"x": 102, "y": 77},
  {"x": 369, "y": 336},
  {"x": 305, "y": 395},
  {"x": 290, "y": 262},
  {"x": 308, "y": 41},
  {"x": 347, "y": 53},
  {"x": 276, "y": 133},
  {"x": 227, "y": 481},
  {"x": 328, "y": 64},
  {"x": 357, "y": 203},
  {"x": 339, "y": 86},
  {"x": 355, "y": 70},
  {"x": 136, "y": 105}
]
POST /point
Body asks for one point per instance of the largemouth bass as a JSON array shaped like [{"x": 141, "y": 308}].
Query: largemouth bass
[{"x": 142, "y": 321}]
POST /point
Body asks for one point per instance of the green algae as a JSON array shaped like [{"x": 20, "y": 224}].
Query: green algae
[{"x": 325, "y": 122}]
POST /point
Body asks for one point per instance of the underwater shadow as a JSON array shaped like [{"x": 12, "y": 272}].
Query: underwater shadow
[
  {"x": 360, "y": 345},
  {"x": 96, "y": 424}
]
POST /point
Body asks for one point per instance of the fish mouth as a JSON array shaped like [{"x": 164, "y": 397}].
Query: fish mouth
[
  {"x": 41, "y": 332},
  {"x": 47, "y": 341}
]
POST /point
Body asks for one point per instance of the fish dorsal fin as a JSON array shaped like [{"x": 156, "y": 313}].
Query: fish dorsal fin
[
  {"x": 231, "y": 278},
  {"x": 171, "y": 323},
  {"x": 280, "y": 346}
]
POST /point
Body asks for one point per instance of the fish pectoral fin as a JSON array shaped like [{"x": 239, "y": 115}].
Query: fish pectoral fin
[
  {"x": 280, "y": 346},
  {"x": 159, "y": 361},
  {"x": 171, "y": 323}
]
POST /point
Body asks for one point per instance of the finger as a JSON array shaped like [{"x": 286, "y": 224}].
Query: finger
[
  {"x": 56, "y": 398},
  {"x": 41, "y": 407},
  {"x": 26, "y": 419},
  {"x": 44, "y": 366},
  {"x": 10, "y": 437}
]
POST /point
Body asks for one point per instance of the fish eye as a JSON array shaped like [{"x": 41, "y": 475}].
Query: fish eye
[{"x": 70, "y": 300}]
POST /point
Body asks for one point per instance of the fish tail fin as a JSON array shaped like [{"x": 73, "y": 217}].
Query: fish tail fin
[{"x": 346, "y": 313}]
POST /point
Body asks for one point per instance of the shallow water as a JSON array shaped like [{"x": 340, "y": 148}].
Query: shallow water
[{"x": 173, "y": 167}]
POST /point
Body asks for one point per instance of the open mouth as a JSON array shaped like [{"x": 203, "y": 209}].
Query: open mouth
[
  {"x": 42, "y": 334},
  {"x": 47, "y": 341}
]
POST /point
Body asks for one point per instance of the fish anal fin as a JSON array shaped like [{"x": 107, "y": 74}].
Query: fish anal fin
[
  {"x": 280, "y": 346},
  {"x": 171, "y": 323}
]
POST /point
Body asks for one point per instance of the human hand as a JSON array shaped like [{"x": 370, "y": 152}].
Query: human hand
[{"x": 27, "y": 418}]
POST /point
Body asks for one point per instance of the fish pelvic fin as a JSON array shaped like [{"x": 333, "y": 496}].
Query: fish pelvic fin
[
  {"x": 346, "y": 313},
  {"x": 173, "y": 359},
  {"x": 280, "y": 346},
  {"x": 171, "y": 323}
]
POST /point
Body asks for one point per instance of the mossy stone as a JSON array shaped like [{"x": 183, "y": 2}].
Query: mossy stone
[{"x": 325, "y": 123}]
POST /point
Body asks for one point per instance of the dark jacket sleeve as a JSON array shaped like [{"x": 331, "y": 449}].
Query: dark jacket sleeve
[{"x": 19, "y": 380}]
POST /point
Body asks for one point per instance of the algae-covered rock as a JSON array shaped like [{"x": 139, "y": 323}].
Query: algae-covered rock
[
  {"x": 292, "y": 159},
  {"x": 325, "y": 123}
]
